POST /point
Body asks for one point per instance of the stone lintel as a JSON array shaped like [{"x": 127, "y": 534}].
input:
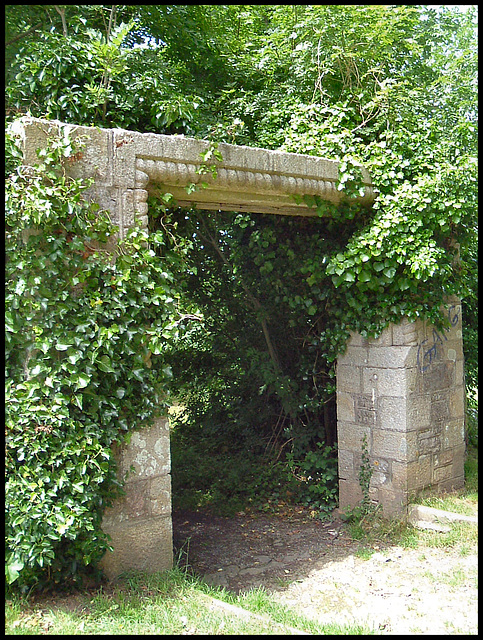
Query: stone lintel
[{"x": 248, "y": 178}]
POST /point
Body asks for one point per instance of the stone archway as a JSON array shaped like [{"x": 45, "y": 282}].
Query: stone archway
[{"x": 403, "y": 391}]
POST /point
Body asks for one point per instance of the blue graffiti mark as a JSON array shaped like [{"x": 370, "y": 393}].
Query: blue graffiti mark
[{"x": 426, "y": 356}]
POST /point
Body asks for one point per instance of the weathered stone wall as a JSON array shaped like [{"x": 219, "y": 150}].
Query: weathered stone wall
[
  {"x": 405, "y": 392},
  {"x": 140, "y": 522}
]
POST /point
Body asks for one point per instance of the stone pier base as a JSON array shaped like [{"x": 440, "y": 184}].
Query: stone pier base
[
  {"x": 140, "y": 523},
  {"x": 405, "y": 393}
]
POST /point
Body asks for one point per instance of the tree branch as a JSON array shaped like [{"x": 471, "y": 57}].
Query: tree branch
[
  {"x": 61, "y": 13},
  {"x": 111, "y": 18},
  {"x": 23, "y": 35},
  {"x": 254, "y": 301}
]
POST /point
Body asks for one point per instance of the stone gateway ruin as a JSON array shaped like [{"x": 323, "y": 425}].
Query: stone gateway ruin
[{"x": 403, "y": 391}]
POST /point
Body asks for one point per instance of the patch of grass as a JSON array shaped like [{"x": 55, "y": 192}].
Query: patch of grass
[
  {"x": 364, "y": 553},
  {"x": 463, "y": 501},
  {"x": 456, "y": 578},
  {"x": 460, "y": 535},
  {"x": 172, "y": 602}
]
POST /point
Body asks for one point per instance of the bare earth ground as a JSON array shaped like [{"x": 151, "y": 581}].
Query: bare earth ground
[{"x": 313, "y": 567}]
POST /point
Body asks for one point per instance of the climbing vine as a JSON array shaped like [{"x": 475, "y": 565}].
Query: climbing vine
[{"x": 86, "y": 324}]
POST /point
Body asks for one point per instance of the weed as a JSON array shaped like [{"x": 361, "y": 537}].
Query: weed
[
  {"x": 364, "y": 553},
  {"x": 365, "y": 475}
]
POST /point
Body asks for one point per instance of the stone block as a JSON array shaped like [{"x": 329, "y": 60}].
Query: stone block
[
  {"x": 443, "y": 458},
  {"x": 379, "y": 478},
  {"x": 457, "y": 402},
  {"x": 452, "y": 484},
  {"x": 96, "y": 160},
  {"x": 459, "y": 457},
  {"x": 148, "y": 452},
  {"x": 454, "y": 433},
  {"x": 418, "y": 472},
  {"x": 392, "y": 413},
  {"x": 429, "y": 441},
  {"x": 145, "y": 545},
  {"x": 443, "y": 473},
  {"x": 354, "y": 357},
  {"x": 455, "y": 346},
  {"x": 350, "y": 494},
  {"x": 439, "y": 411},
  {"x": 394, "y": 445},
  {"x": 440, "y": 396},
  {"x": 459, "y": 372},
  {"x": 364, "y": 409},
  {"x": 135, "y": 503},
  {"x": 346, "y": 464},
  {"x": 348, "y": 379},
  {"x": 392, "y": 357},
  {"x": 406, "y": 333},
  {"x": 384, "y": 382},
  {"x": 419, "y": 412},
  {"x": 350, "y": 436},
  {"x": 393, "y": 501},
  {"x": 356, "y": 340},
  {"x": 381, "y": 465},
  {"x": 412, "y": 380},
  {"x": 439, "y": 376},
  {"x": 384, "y": 340},
  {"x": 345, "y": 406},
  {"x": 123, "y": 158},
  {"x": 160, "y": 495}
]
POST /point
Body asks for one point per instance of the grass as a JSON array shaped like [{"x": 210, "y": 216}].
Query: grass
[
  {"x": 172, "y": 602},
  {"x": 464, "y": 501},
  {"x": 175, "y": 602},
  {"x": 456, "y": 578}
]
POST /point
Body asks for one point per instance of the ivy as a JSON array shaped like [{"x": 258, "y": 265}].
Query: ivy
[{"x": 87, "y": 322}]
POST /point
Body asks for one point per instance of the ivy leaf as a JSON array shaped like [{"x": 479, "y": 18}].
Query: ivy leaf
[
  {"x": 105, "y": 365},
  {"x": 61, "y": 345},
  {"x": 364, "y": 276},
  {"x": 13, "y": 569},
  {"x": 81, "y": 380}
]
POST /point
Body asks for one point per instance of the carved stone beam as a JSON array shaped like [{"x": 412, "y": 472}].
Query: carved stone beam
[
  {"x": 247, "y": 179},
  {"x": 126, "y": 166}
]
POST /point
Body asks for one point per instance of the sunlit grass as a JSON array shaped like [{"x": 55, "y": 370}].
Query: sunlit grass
[
  {"x": 465, "y": 500},
  {"x": 168, "y": 603}
]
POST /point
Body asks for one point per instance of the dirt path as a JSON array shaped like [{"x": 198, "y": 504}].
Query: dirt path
[{"x": 314, "y": 568}]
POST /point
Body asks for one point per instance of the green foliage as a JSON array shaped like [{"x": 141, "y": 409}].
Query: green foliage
[
  {"x": 85, "y": 330},
  {"x": 392, "y": 88},
  {"x": 360, "y": 514},
  {"x": 472, "y": 420},
  {"x": 317, "y": 472}
]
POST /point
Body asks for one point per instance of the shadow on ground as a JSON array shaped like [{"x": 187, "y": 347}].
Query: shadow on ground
[{"x": 249, "y": 551}]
